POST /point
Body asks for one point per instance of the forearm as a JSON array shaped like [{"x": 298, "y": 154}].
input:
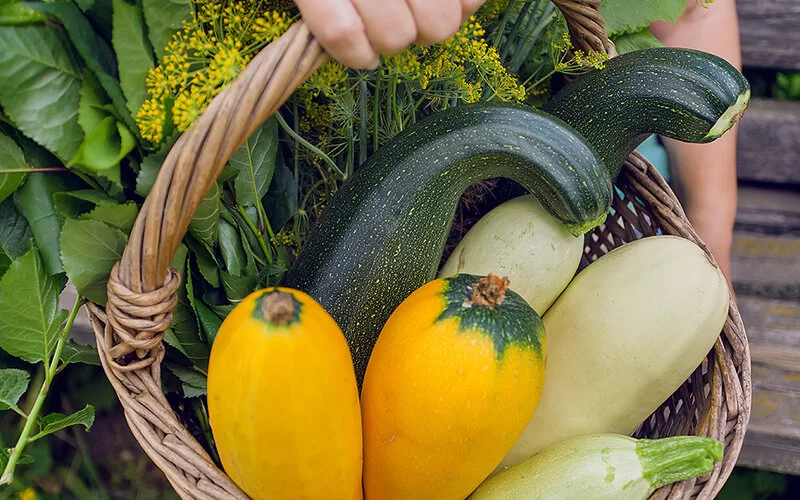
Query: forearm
[{"x": 706, "y": 173}]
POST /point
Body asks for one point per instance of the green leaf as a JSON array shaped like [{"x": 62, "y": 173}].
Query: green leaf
[
  {"x": 71, "y": 204},
  {"x": 89, "y": 249},
  {"x": 121, "y": 217},
  {"x": 41, "y": 85},
  {"x": 194, "y": 382},
  {"x": 15, "y": 233},
  {"x": 94, "y": 50},
  {"x": 206, "y": 261},
  {"x": 34, "y": 200},
  {"x": 106, "y": 140},
  {"x": 11, "y": 158},
  {"x": 17, "y": 13},
  {"x": 79, "y": 353},
  {"x": 57, "y": 421},
  {"x": 630, "y": 42},
  {"x": 163, "y": 19},
  {"x": 281, "y": 200},
  {"x": 148, "y": 171},
  {"x": 230, "y": 245},
  {"x": 208, "y": 319},
  {"x": 35, "y": 155},
  {"x": 99, "y": 14},
  {"x": 105, "y": 146},
  {"x": 13, "y": 384},
  {"x": 206, "y": 218},
  {"x": 134, "y": 54},
  {"x": 31, "y": 318},
  {"x": 185, "y": 332},
  {"x": 24, "y": 459},
  {"x": 625, "y": 16},
  {"x": 255, "y": 164}
]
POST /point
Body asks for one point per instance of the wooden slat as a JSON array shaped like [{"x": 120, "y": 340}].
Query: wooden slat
[
  {"x": 770, "y": 37},
  {"x": 768, "y": 210},
  {"x": 772, "y": 441},
  {"x": 766, "y": 265},
  {"x": 768, "y": 149}
]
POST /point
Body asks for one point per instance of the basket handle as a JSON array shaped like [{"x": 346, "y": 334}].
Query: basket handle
[{"x": 142, "y": 286}]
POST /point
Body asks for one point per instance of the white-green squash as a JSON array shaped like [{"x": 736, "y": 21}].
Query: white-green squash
[
  {"x": 603, "y": 467},
  {"x": 622, "y": 337},
  {"x": 520, "y": 240}
]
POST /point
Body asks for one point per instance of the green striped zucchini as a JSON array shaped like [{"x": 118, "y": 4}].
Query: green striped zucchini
[
  {"x": 382, "y": 234},
  {"x": 683, "y": 94}
]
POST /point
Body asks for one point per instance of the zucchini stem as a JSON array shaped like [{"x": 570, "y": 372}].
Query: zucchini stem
[{"x": 668, "y": 460}]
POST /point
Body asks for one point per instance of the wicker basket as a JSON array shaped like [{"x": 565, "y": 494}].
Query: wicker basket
[{"x": 714, "y": 402}]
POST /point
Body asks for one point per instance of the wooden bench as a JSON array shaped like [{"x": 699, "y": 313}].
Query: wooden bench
[{"x": 766, "y": 250}]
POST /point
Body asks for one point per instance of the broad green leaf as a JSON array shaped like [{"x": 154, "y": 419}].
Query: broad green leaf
[
  {"x": 41, "y": 85},
  {"x": 163, "y": 19},
  {"x": 121, "y": 217},
  {"x": 11, "y": 158},
  {"x": 206, "y": 261},
  {"x": 250, "y": 241},
  {"x": 239, "y": 287},
  {"x": 89, "y": 249},
  {"x": 630, "y": 42},
  {"x": 71, "y": 204},
  {"x": 208, "y": 319},
  {"x": 148, "y": 171},
  {"x": 94, "y": 50},
  {"x": 281, "y": 200},
  {"x": 205, "y": 220},
  {"x": 15, "y": 233},
  {"x": 57, "y": 421},
  {"x": 134, "y": 54},
  {"x": 255, "y": 164},
  {"x": 5, "y": 263},
  {"x": 106, "y": 139},
  {"x": 34, "y": 200},
  {"x": 79, "y": 353},
  {"x": 35, "y": 155},
  {"x": 105, "y": 146},
  {"x": 625, "y": 16},
  {"x": 31, "y": 318},
  {"x": 13, "y": 384},
  {"x": 230, "y": 245},
  {"x": 194, "y": 382},
  {"x": 24, "y": 459},
  {"x": 17, "y": 13},
  {"x": 99, "y": 14}
]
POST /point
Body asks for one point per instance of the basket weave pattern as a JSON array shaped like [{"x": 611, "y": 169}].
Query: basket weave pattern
[{"x": 714, "y": 402}]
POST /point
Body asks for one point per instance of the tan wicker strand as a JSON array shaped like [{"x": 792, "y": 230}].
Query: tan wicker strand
[{"x": 714, "y": 401}]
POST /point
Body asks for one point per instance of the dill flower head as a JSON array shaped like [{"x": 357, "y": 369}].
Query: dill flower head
[{"x": 206, "y": 54}]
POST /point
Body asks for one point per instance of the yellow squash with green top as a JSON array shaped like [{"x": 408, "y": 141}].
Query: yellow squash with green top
[
  {"x": 283, "y": 401},
  {"x": 454, "y": 377}
]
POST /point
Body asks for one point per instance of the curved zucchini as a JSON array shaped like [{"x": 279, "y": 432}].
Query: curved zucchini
[
  {"x": 382, "y": 234},
  {"x": 683, "y": 94}
]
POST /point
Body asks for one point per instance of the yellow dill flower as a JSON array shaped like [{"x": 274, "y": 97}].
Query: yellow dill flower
[
  {"x": 157, "y": 83},
  {"x": 189, "y": 105},
  {"x": 491, "y": 9},
  {"x": 271, "y": 25},
  {"x": 327, "y": 80},
  {"x": 316, "y": 115},
  {"x": 151, "y": 119},
  {"x": 28, "y": 494},
  {"x": 405, "y": 64}
]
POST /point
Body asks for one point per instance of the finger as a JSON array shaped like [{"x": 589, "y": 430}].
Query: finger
[
  {"x": 338, "y": 27},
  {"x": 389, "y": 24},
  {"x": 469, "y": 7},
  {"x": 436, "y": 21}
]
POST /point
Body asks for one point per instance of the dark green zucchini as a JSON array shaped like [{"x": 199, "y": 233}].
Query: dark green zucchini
[
  {"x": 684, "y": 94},
  {"x": 382, "y": 234}
]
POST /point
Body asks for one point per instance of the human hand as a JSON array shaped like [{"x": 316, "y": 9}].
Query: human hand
[{"x": 356, "y": 32}]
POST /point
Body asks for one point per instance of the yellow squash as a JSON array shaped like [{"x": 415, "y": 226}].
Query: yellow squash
[
  {"x": 455, "y": 375},
  {"x": 283, "y": 402}
]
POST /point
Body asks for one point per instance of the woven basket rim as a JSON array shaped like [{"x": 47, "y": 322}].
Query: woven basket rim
[{"x": 142, "y": 287}]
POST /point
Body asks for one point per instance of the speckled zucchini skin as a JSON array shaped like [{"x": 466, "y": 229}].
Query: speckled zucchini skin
[
  {"x": 677, "y": 93},
  {"x": 382, "y": 235}
]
